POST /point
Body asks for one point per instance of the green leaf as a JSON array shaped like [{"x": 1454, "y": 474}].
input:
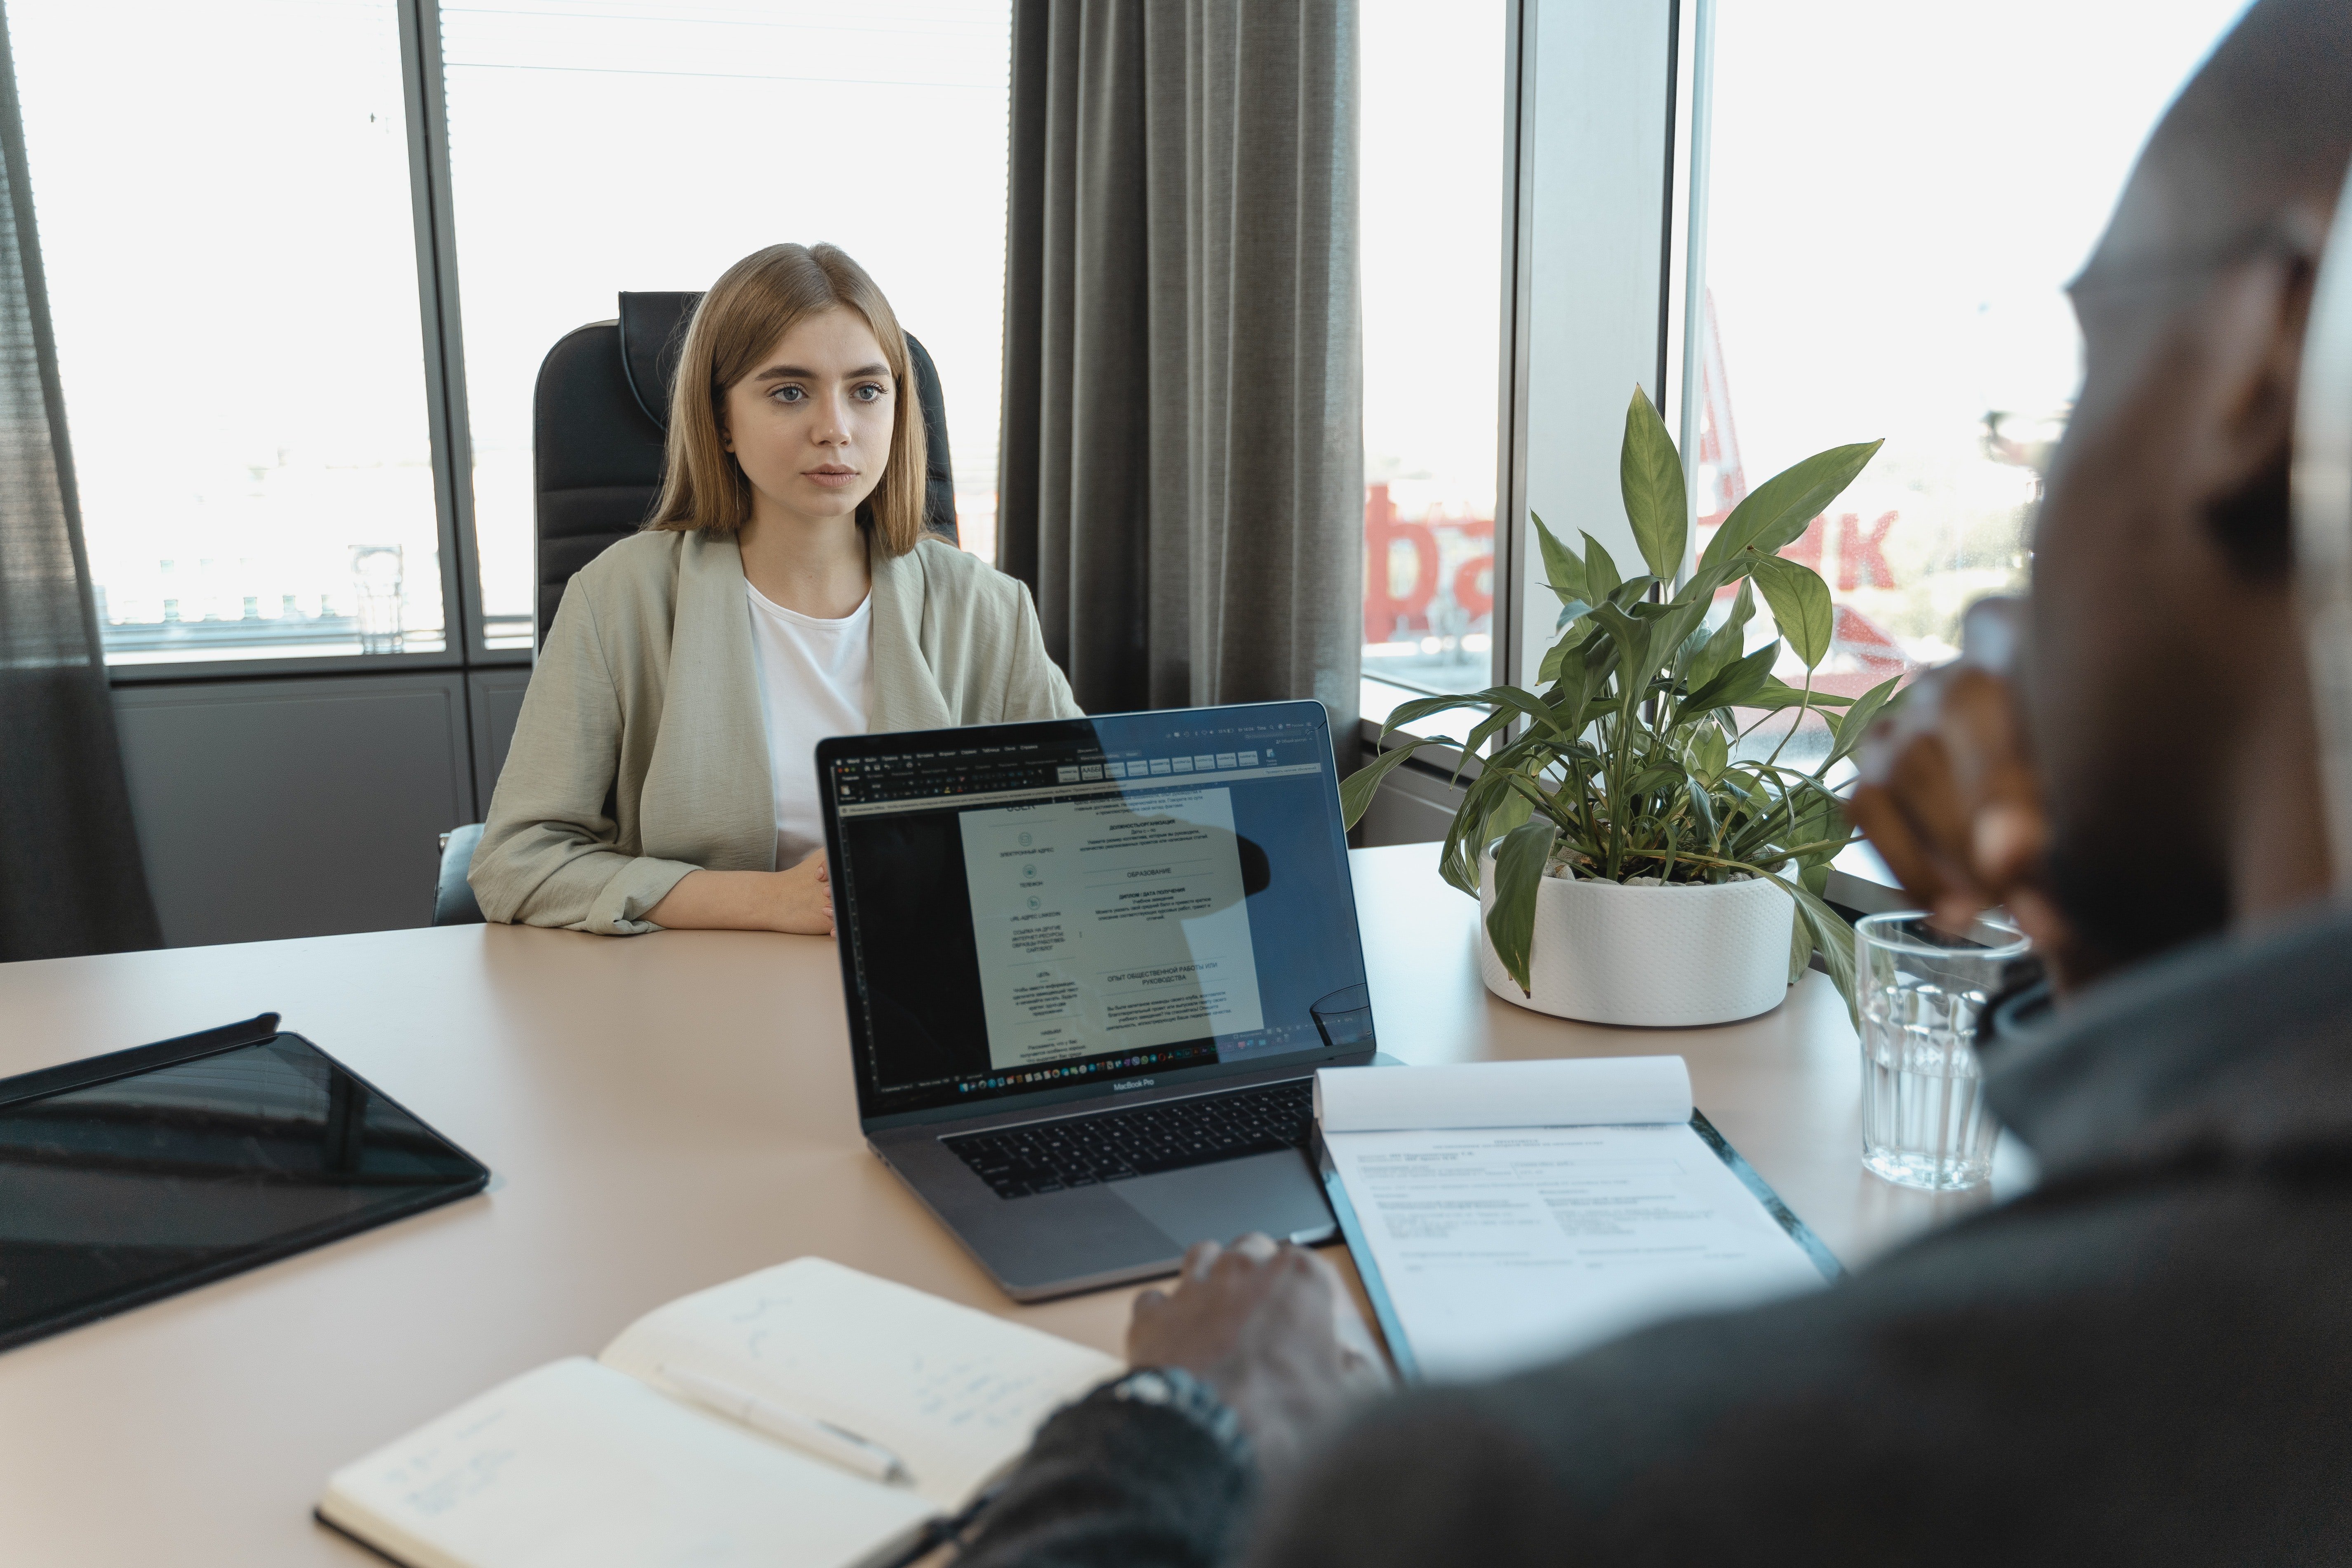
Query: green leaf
[
  {"x": 1404, "y": 713},
  {"x": 1632, "y": 639},
  {"x": 1777, "y": 510},
  {"x": 1356, "y": 791},
  {"x": 1735, "y": 686},
  {"x": 1801, "y": 605},
  {"x": 1702, "y": 804},
  {"x": 1591, "y": 665},
  {"x": 1660, "y": 776},
  {"x": 1650, "y": 471},
  {"x": 1850, "y": 729},
  {"x": 1800, "y": 949},
  {"x": 1726, "y": 642},
  {"x": 1571, "y": 611},
  {"x": 1512, "y": 811},
  {"x": 1832, "y": 935},
  {"x": 1518, "y": 877},
  {"x": 1677, "y": 622},
  {"x": 1486, "y": 730},
  {"x": 1538, "y": 714},
  {"x": 1710, "y": 754},
  {"x": 1457, "y": 860},
  {"x": 1775, "y": 694},
  {"x": 1633, "y": 592},
  {"x": 1562, "y": 570},
  {"x": 1601, "y": 575}
]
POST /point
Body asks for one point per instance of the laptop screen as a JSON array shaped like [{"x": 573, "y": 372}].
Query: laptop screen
[{"x": 1088, "y": 905}]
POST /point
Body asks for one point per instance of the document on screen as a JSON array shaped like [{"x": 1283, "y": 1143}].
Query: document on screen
[
  {"x": 1501, "y": 1245},
  {"x": 1110, "y": 922}
]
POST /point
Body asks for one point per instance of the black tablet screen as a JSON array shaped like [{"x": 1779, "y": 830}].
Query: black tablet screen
[{"x": 176, "y": 1172}]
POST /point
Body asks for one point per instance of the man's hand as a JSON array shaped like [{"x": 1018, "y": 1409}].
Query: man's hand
[
  {"x": 1270, "y": 1327},
  {"x": 1948, "y": 797}
]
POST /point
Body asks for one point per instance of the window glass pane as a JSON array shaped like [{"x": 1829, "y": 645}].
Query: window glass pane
[
  {"x": 1432, "y": 223},
  {"x": 1887, "y": 243},
  {"x": 597, "y": 147},
  {"x": 224, "y": 214}
]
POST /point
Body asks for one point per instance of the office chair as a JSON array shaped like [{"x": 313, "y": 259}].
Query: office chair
[
  {"x": 597, "y": 421},
  {"x": 598, "y": 415}
]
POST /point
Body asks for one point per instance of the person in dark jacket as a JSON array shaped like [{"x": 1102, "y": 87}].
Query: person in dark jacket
[{"x": 2147, "y": 1359}]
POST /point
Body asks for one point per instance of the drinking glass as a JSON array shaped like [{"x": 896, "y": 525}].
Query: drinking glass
[{"x": 1924, "y": 1119}]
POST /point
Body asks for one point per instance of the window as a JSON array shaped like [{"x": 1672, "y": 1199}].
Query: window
[
  {"x": 1887, "y": 243},
  {"x": 604, "y": 145},
  {"x": 225, "y": 210},
  {"x": 1431, "y": 235}
]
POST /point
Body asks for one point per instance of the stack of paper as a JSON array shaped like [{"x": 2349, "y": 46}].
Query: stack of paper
[{"x": 1504, "y": 1212}]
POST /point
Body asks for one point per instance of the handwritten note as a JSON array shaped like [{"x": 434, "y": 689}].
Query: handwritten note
[{"x": 953, "y": 1391}]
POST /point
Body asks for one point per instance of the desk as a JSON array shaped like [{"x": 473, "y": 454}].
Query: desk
[{"x": 663, "y": 1112}]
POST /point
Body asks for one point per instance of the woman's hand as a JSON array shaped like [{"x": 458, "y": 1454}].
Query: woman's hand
[
  {"x": 798, "y": 900},
  {"x": 1272, "y": 1329},
  {"x": 803, "y": 896}
]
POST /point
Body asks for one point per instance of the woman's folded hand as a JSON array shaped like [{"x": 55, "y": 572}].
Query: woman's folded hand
[
  {"x": 804, "y": 898},
  {"x": 798, "y": 900}
]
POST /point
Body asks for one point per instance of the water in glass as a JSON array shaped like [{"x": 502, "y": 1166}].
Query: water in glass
[{"x": 1924, "y": 1122}]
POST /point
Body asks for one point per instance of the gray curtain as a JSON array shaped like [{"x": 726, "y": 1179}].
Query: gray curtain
[
  {"x": 70, "y": 879},
  {"x": 1181, "y": 477}
]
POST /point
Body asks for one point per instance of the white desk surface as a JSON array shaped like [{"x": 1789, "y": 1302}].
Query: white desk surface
[{"x": 661, "y": 1112}]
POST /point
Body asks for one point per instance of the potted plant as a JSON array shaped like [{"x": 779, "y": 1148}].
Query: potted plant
[{"x": 1642, "y": 854}]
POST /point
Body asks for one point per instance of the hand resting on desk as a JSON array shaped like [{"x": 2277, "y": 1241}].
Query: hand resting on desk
[
  {"x": 1270, "y": 1327},
  {"x": 798, "y": 900}
]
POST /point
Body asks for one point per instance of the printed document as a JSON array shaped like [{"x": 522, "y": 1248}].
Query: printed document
[
  {"x": 1503, "y": 1246},
  {"x": 1108, "y": 923}
]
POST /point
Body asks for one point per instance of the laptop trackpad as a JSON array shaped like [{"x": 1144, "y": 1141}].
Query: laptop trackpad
[{"x": 1273, "y": 1193}]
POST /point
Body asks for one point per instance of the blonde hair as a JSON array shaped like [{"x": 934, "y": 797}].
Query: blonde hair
[{"x": 753, "y": 304}]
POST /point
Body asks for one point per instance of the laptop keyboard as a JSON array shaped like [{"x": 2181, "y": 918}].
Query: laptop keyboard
[{"x": 1112, "y": 1145}]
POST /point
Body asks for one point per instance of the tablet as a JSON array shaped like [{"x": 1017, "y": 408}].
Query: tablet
[{"x": 130, "y": 1177}]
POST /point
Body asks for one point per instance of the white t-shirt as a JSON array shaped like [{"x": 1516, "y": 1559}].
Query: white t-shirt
[{"x": 816, "y": 678}]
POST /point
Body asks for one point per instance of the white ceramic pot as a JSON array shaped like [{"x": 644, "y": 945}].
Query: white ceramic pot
[{"x": 1661, "y": 956}]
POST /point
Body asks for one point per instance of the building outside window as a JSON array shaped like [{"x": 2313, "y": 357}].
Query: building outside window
[
  {"x": 1887, "y": 247},
  {"x": 1431, "y": 225},
  {"x": 598, "y": 146},
  {"x": 1899, "y": 194},
  {"x": 223, "y": 202}
]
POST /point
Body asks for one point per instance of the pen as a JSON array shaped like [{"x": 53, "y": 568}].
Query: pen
[{"x": 860, "y": 1454}]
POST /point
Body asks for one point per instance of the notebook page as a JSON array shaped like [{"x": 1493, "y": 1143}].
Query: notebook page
[
  {"x": 954, "y": 1393},
  {"x": 1499, "y": 1249},
  {"x": 1570, "y": 1091},
  {"x": 576, "y": 1466}
]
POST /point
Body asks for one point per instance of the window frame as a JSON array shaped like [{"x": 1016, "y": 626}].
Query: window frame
[
  {"x": 425, "y": 113},
  {"x": 1571, "y": 68},
  {"x": 1580, "y": 77}
]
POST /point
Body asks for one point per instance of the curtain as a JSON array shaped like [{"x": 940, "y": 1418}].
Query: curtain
[
  {"x": 1180, "y": 479},
  {"x": 71, "y": 876}
]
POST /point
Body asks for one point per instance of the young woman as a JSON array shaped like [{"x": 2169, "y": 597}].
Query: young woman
[{"x": 662, "y": 771}]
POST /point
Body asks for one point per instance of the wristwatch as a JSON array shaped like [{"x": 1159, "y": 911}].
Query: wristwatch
[{"x": 1174, "y": 1388}]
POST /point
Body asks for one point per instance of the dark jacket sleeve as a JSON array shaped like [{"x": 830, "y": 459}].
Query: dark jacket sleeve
[
  {"x": 1116, "y": 1485},
  {"x": 1418, "y": 1480}
]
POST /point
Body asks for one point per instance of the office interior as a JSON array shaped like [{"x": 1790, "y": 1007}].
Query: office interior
[
  {"x": 326, "y": 315},
  {"x": 314, "y": 593}
]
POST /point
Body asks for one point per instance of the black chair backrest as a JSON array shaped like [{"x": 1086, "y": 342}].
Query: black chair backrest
[{"x": 597, "y": 417}]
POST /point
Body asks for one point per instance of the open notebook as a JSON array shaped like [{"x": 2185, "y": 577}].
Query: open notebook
[
  {"x": 1503, "y": 1212},
  {"x": 613, "y": 1461}
]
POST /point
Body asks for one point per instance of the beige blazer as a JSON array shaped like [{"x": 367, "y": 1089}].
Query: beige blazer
[{"x": 641, "y": 752}]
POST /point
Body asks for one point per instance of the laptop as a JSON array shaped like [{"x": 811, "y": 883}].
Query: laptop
[{"x": 1092, "y": 966}]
